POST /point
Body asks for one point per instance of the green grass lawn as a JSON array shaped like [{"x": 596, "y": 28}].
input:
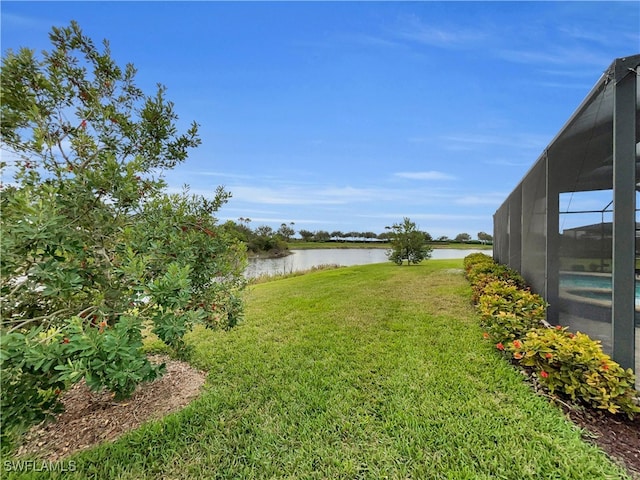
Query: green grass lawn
[{"x": 365, "y": 372}]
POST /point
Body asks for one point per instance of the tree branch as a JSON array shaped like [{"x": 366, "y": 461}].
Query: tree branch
[{"x": 36, "y": 319}]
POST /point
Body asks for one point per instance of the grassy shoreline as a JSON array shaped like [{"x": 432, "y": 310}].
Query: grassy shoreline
[{"x": 373, "y": 371}]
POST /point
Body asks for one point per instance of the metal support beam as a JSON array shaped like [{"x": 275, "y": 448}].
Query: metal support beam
[
  {"x": 515, "y": 221},
  {"x": 624, "y": 199},
  {"x": 552, "y": 271}
]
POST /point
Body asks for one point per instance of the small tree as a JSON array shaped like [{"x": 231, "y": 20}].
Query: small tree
[
  {"x": 286, "y": 231},
  {"x": 239, "y": 231},
  {"x": 306, "y": 235},
  {"x": 485, "y": 237},
  {"x": 92, "y": 247},
  {"x": 407, "y": 243},
  {"x": 463, "y": 237},
  {"x": 265, "y": 239},
  {"x": 321, "y": 236}
]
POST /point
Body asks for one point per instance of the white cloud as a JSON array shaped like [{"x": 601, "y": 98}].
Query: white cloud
[
  {"x": 598, "y": 36},
  {"x": 23, "y": 21},
  {"x": 507, "y": 162},
  {"x": 441, "y": 217},
  {"x": 484, "y": 199},
  {"x": 585, "y": 34},
  {"x": 450, "y": 36},
  {"x": 206, "y": 173},
  {"x": 430, "y": 175},
  {"x": 244, "y": 212},
  {"x": 278, "y": 220},
  {"x": 577, "y": 86},
  {"x": 467, "y": 141},
  {"x": 557, "y": 56},
  {"x": 372, "y": 41},
  {"x": 301, "y": 195},
  {"x": 571, "y": 73}
]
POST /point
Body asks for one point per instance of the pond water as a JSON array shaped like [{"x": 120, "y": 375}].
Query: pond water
[{"x": 307, "y": 259}]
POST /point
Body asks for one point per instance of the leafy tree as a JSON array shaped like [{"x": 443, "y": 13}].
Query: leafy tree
[
  {"x": 261, "y": 240},
  {"x": 407, "y": 243},
  {"x": 286, "y": 231},
  {"x": 463, "y": 237},
  {"x": 306, "y": 235},
  {"x": 321, "y": 236},
  {"x": 265, "y": 239},
  {"x": 264, "y": 231},
  {"x": 337, "y": 234},
  {"x": 92, "y": 248},
  {"x": 485, "y": 237},
  {"x": 239, "y": 231}
]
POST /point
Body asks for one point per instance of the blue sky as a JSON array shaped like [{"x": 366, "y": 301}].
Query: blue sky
[{"x": 351, "y": 115}]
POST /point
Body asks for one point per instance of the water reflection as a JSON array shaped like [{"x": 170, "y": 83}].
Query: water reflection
[{"x": 307, "y": 259}]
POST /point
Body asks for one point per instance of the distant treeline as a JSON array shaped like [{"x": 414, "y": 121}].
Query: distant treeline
[{"x": 265, "y": 239}]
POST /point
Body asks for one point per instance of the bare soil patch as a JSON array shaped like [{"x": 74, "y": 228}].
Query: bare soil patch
[{"x": 91, "y": 418}]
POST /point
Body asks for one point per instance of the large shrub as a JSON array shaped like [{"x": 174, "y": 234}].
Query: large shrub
[
  {"x": 474, "y": 259},
  {"x": 508, "y": 312},
  {"x": 575, "y": 365},
  {"x": 92, "y": 249},
  {"x": 495, "y": 271},
  {"x": 481, "y": 270}
]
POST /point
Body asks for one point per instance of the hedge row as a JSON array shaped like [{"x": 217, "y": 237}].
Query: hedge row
[{"x": 570, "y": 364}]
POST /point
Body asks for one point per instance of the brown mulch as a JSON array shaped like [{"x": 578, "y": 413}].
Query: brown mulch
[{"x": 91, "y": 418}]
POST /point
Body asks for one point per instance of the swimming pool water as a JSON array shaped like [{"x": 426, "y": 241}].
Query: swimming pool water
[
  {"x": 594, "y": 281},
  {"x": 588, "y": 281}
]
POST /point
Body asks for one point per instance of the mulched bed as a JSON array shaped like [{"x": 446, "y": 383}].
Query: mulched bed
[{"x": 91, "y": 418}]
